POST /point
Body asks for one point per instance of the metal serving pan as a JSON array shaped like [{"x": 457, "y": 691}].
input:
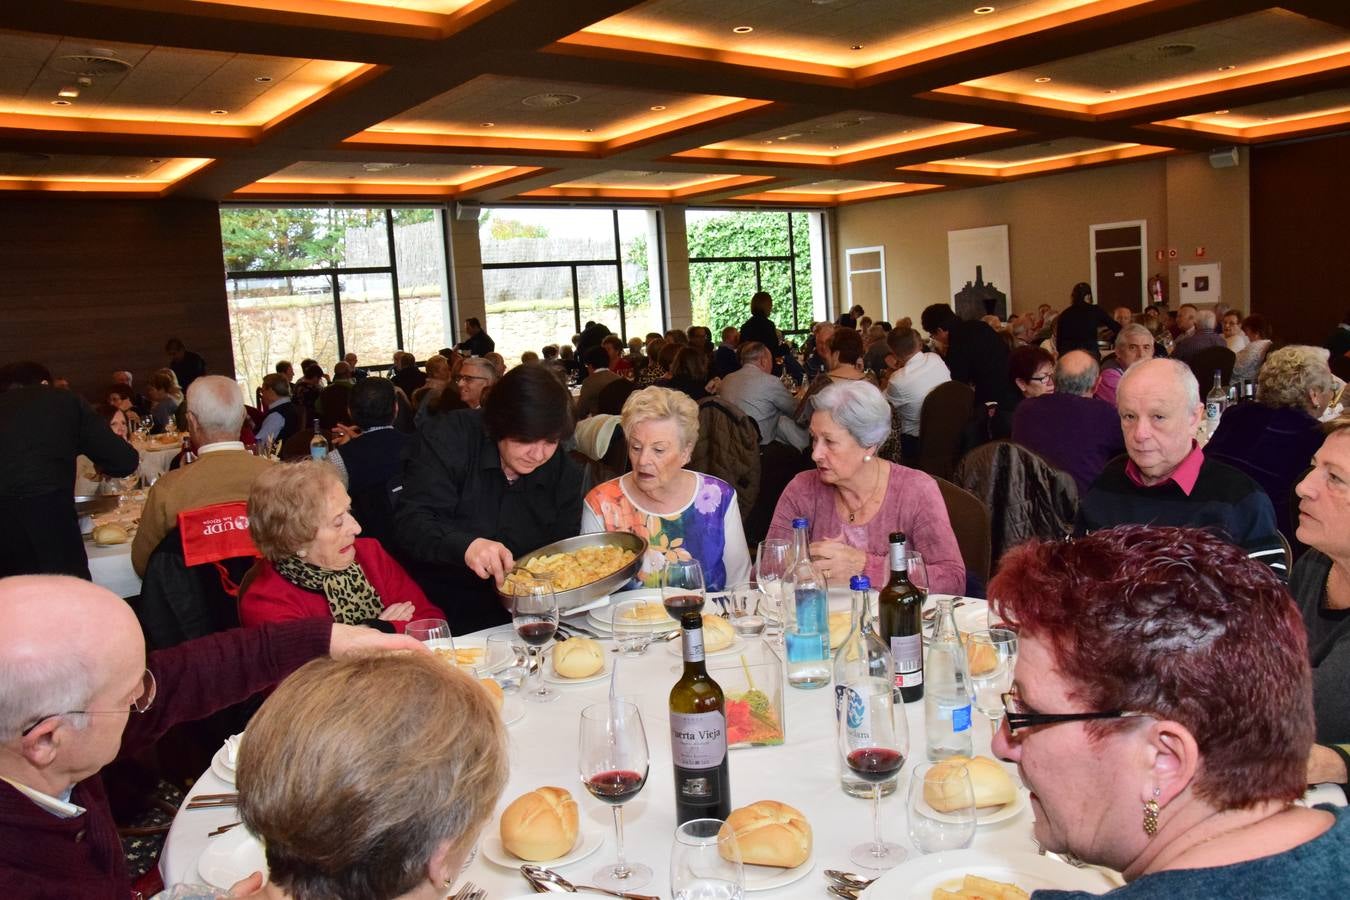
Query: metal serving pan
[{"x": 587, "y": 593}]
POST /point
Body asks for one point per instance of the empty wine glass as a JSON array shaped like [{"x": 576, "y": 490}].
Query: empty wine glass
[
  {"x": 705, "y": 862},
  {"x": 743, "y": 609},
  {"x": 771, "y": 564},
  {"x": 874, "y": 742},
  {"x": 428, "y": 630},
  {"x": 613, "y": 764},
  {"x": 991, "y": 657},
  {"x": 682, "y": 588},
  {"x": 941, "y": 807},
  {"x": 506, "y": 660},
  {"x": 534, "y": 615}
]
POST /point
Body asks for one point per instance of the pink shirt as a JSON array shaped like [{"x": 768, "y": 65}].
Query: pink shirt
[
  {"x": 913, "y": 504},
  {"x": 1185, "y": 474}
]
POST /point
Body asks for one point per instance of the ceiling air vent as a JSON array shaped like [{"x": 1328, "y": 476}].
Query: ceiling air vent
[
  {"x": 383, "y": 166},
  {"x": 549, "y": 100},
  {"x": 1164, "y": 51},
  {"x": 93, "y": 64}
]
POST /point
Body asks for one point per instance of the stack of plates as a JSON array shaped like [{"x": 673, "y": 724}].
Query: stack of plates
[{"x": 602, "y": 619}]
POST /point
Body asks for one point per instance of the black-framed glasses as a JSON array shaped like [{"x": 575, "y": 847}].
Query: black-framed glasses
[
  {"x": 141, "y": 704},
  {"x": 1018, "y": 715},
  {"x": 1043, "y": 378}
]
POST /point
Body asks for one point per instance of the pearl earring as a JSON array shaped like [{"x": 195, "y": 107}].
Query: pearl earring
[
  {"x": 300, "y": 553},
  {"x": 867, "y": 458}
]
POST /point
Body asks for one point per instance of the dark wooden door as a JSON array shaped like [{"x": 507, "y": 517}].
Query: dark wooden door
[{"x": 1119, "y": 258}]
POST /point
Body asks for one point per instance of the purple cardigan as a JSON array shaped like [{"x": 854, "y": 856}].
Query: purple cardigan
[
  {"x": 43, "y": 856},
  {"x": 913, "y": 504},
  {"x": 1078, "y": 435}
]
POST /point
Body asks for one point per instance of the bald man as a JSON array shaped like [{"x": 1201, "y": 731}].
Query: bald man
[
  {"x": 1165, "y": 478},
  {"x": 73, "y": 667},
  {"x": 1071, "y": 429}
]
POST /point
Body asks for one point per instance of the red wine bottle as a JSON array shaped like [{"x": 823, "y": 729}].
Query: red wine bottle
[
  {"x": 900, "y": 608},
  {"x": 698, "y": 735}
]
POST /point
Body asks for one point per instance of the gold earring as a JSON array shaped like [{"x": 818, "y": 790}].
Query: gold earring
[{"x": 1151, "y": 815}]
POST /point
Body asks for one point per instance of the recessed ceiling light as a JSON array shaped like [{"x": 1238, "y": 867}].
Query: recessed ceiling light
[
  {"x": 1043, "y": 79},
  {"x": 766, "y": 142},
  {"x": 856, "y": 47},
  {"x": 588, "y": 131},
  {"x": 657, "y": 108},
  {"x": 131, "y": 176},
  {"x": 1109, "y": 91},
  {"x": 834, "y": 146},
  {"x": 60, "y": 103},
  {"x": 263, "y": 79},
  {"x": 220, "y": 112},
  {"x": 1220, "y": 112},
  {"x": 1227, "y": 68},
  {"x": 743, "y": 29},
  {"x": 70, "y": 92},
  {"x": 982, "y": 10}
]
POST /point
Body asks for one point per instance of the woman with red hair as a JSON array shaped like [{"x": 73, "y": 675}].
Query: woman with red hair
[{"x": 1162, "y": 716}]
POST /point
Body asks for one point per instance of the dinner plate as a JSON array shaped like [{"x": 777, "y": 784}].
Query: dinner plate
[
  {"x": 918, "y": 877},
  {"x": 513, "y": 710},
  {"x": 989, "y": 815},
  {"x": 626, "y": 599},
  {"x": 588, "y": 841},
  {"x": 767, "y": 878},
  {"x": 971, "y": 615},
  {"x": 220, "y": 766},
  {"x": 230, "y": 857},
  {"x": 553, "y": 677}
]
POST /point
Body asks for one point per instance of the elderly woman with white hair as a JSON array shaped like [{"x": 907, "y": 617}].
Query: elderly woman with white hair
[
  {"x": 682, "y": 514},
  {"x": 855, "y": 499}
]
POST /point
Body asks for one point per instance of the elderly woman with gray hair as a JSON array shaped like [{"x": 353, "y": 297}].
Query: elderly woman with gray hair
[
  {"x": 855, "y": 499},
  {"x": 1273, "y": 440}
]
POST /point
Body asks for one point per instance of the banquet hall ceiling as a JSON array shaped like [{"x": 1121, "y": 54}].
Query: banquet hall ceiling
[{"x": 704, "y": 102}]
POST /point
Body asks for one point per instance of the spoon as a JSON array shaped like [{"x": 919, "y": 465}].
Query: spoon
[
  {"x": 847, "y": 879},
  {"x": 551, "y": 881},
  {"x": 842, "y": 893}
]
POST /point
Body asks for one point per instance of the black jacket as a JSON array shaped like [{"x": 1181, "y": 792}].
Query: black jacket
[{"x": 1076, "y": 328}]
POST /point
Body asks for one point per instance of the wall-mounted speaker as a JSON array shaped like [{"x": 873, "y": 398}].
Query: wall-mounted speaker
[
  {"x": 470, "y": 212},
  {"x": 1224, "y": 158}
]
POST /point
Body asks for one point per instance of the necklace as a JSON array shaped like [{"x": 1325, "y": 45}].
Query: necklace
[{"x": 857, "y": 511}]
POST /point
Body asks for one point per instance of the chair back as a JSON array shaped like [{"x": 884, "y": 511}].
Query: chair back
[
  {"x": 728, "y": 448},
  {"x": 1207, "y": 360},
  {"x": 970, "y": 523},
  {"x": 297, "y": 445},
  {"x": 943, "y": 420},
  {"x": 613, "y": 395},
  {"x": 1340, "y": 367},
  {"x": 1026, "y": 496}
]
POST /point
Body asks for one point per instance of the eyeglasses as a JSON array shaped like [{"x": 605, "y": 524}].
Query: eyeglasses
[
  {"x": 141, "y": 704},
  {"x": 1019, "y": 715},
  {"x": 459, "y": 378},
  {"x": 1043, "y": 378}
]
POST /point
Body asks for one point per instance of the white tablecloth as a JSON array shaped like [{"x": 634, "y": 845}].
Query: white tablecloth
[
  {"x": 111, "y": 568},
  {"x": 803, "y": 772},
  {"x": 155, "y": 458}
]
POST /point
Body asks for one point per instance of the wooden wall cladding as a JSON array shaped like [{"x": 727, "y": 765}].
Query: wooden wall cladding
[
  {"x": 1300, "y": 199},
  {"x": 91, "y": 286}
]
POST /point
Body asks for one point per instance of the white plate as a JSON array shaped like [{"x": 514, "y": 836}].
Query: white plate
[
  {"x": 220, "y": 766},
  {"x": 971, "y": 615},
  {"x": 513, "y": 710},
  {"x": 676, "y": 648},
  {"x": 989, "y": 815},
  {"x": 553, "y": 677},
  {"x": 463, "y": 643},
  {"x": 766, "y": 878},
  {"x": 589, "y": 840},
  {"x": 232, "y": 856},
  {"x": 603, "y": 619},
  {"x": 919, "y": 876}
]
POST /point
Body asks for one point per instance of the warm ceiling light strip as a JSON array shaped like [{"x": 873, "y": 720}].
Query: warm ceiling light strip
[
  {"x": 120, "y": 188},
  {"x": 788, "y": 196},
  {"x": 280, "y": 187},
  {"x": 892, "y": 147},
  {"x": 349, "y": 82},
  {"x": 736, "y": 107},
  {"x": 367, "y": 16},
  {"x": 74, "y": 127},
  {"x": 585, "y": 43},
  {"x": 1258, "y": 131},
  {"x": 983, "y": 93},
  {"x": 924, "y": 142},
  {"x": 615, "y": 192},
  {"x": 1049, "y": 164},
  {"x": 396, "y": 140}
]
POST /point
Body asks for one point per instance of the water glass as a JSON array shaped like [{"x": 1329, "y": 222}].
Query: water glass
[
  {"x": 743, "y": 609},
  {"x": 771, "y": 565},
  {"x": 991, "y": 657},
  {"x": 705, "y": 862},
  {"x": 953, "y": 828},
  {"x": 428, "y": 630},
  {"x": 506, "y": 661},
  {"x": 631, "y": 638}
]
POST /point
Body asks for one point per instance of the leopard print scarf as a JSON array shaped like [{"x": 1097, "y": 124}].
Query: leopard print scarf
[{"x": 350, "y": 595}]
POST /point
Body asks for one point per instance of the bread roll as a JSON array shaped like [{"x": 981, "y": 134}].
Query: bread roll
[
  {"x": 540, "y": 826},
  {"x": 993, "y": 786},
  {"x": 717, "y": 634},
  {"x": 494, "y": 691},
  {"x": 578, "y": 657},
  {"x": 110, "y": 534},
  {"x": 770, "y": 833},
  {"x": 980, "y": 658},
  {"x": 840, "y": 623}
]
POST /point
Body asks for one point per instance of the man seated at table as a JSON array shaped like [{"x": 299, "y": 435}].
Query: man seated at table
[
  {"x": 42, "y": 431},
  {"x": 916, "y": 374},
  {"x": 1133, "y": 344},
  {"x": 224, "y": 470},
  {"x": 599, "y": 376},
  {"x": 75, "y": 666},
  {"x": 1202, "y": 337},
  {"x": 1070, "y": 428},
  {"x": 139, "y": 401},
  {"x": 753, "y": 389},
  {"x": 283, "y": 417},
  {"x": 1165, "y": 478}
]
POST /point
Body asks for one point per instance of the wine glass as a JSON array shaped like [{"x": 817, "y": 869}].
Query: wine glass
[
  {"x": 613, "y": 765},
  {"x": 941, "y": 807},
  {"x": 534, "y": 615},
  {"x": 428, "y": 630},
  {"x": 743, "y": 607},
  {"x": 991, "y": 656},
  {"x": 770, "y": 568},
  {"x": 506, "y": 660},
  {"x": 874, "y": 742},
  {"x": 682, "y": 588},
  {"x": 705, "y": 862}
]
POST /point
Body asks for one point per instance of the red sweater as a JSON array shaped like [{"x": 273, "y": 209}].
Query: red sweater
[
  {"x": 43, "y": 857},
  {"x": 271, "y": 598}
]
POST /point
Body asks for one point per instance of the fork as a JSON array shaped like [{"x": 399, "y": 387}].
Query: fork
[{"x": 465, "y": 892}]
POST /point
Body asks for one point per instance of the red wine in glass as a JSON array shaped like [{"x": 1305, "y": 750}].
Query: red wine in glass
[
  {"x": 616, "y": 786},
  {"x": 535, "y": 632},
  {"x": 679, "y": 604},
  {"x": 875, "y": 764}
]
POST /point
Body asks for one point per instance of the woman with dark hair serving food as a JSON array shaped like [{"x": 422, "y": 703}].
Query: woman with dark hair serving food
[
  {"x": 1161, "y": 716},
  {"x": 481, "y": 487}
]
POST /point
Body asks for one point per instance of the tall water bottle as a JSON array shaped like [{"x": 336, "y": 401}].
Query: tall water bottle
[
  {"x": 946, "y": 694},
  {"x": 860, "y": 659},
  {"x": 806, "y": 631},
  {"x": 1215, "y": 403}
]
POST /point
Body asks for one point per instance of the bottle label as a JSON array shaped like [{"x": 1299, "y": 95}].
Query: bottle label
[
  {"x": 698, "y": 740},
  {"x": 693, "y": 644},
  {"x": 1213, "y": 409},
  {"x": 907, "y": 651},
  {"x": 851, "y": 707},
  {"x": 961, "y": 718},
  {"x": 317, "y": 452},
  {"x": 898, "y": 558}
]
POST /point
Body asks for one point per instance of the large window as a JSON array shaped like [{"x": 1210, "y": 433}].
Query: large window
[
  {"x": 735, "y": 253},
  {"x": 547, "y": 272},
  {"x": 324, "y": 282}
]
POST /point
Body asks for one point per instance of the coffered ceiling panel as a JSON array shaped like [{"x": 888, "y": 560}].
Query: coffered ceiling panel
[
  {"x": 74, "y": 172},
  {"x": 1285, "y": 111},
  {"x": 664, "y": 180},
  {"x": 382, "y": 173},
  {"x": 847, "y": 132}
]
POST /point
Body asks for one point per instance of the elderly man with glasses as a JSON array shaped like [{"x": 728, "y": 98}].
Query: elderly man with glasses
[{"x": 77, "y": 691}]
